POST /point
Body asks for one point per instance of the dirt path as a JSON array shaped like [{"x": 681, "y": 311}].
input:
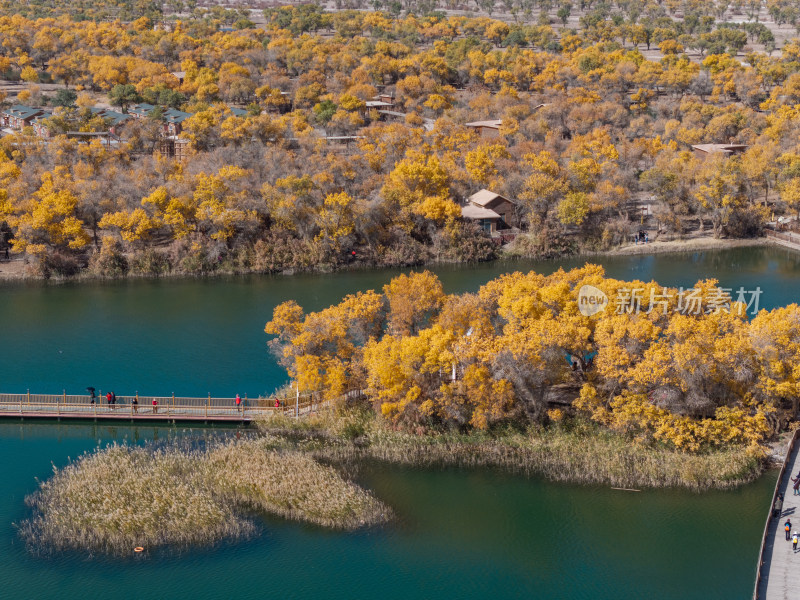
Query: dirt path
[
  {"x": 13, "y": 269},
  {"x": 700, "y": 242}
]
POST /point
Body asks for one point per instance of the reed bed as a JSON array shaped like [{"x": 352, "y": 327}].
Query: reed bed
[
  {"x": 560, "y": 456},
  {"x": 292, "y": 485},
  {"x": 581, "y": 452},
  {"x": 120, "y": 497}
]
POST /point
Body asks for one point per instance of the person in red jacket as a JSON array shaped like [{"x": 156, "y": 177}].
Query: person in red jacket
[
  {"x": 108, "y": 398},
  {"x": 155, "y": 406}
]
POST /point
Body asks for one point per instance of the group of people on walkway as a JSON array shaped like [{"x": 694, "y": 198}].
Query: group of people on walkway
[
  {"x": 111, "y": 397},
  {"x": 792, "y": 536},
  {"x": 111, "y": 401}
]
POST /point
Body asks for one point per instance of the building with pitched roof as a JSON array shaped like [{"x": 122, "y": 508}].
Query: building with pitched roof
[
  {"x": 486, "y": 218},
  {"x": 703, "y": 150},
  {"x": 40, "y": 128},
  {"x": 486, "y": 129},
  {"x": 499, "y": 204},
  {"x": 490, "y": 210},
  {"x": 173, "y": 121},
  {"x": 140, "y": 111},
  {"x": 18, "y": 116}
]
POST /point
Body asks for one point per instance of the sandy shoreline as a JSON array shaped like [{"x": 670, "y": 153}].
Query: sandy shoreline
[
  {"x": 686, "y": 245},
  {"x": 14, "y": 269}
]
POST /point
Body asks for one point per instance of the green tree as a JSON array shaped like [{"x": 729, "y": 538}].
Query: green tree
[
  {"x": 65, "y": 98},
  {"x": 123, "y": 95}
]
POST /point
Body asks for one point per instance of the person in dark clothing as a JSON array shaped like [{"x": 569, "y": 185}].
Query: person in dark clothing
[
  {"x": 113, "y": 400},
  {"x": 787, "y": 527},
  {"x": 92, "y": 395},
  {"x": 135, "y": 404}
]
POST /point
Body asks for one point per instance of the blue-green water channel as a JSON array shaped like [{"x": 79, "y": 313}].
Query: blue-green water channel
[{"x": 458, "y": 534}]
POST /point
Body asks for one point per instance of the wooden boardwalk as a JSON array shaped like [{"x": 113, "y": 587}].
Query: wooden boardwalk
[
  {"x": 778, "y": 571},
  {"x": 786, "y": 239},
  {"x": 141, "y": 408}
]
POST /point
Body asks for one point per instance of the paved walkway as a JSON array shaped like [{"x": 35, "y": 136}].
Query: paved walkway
[{"x": 780, "y": 579}]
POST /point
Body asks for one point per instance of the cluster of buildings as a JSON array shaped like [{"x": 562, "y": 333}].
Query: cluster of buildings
[{"x": 17, "y": 117}]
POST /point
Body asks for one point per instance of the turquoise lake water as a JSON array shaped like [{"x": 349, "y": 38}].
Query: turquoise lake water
[{"x": 458, "y": 533}]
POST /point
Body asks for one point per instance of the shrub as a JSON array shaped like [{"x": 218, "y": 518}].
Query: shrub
[
  {"x": 109, "y": 261},
  {"x": 57, "y": 263},
  {"x": 197, "y": 259},
  {"x": 150, "y": 262},
  {"x": 546, "y": 244},
  {"x": 465, "y": 242}
]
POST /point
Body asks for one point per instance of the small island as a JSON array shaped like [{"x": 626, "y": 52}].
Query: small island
[{"x": 123, "y": 497}]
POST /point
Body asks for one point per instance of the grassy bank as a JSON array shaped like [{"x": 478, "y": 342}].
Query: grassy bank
[
  {"x": 577, "y": 452},
  {"x": 18, "y": 270},
  {"x": 117, "y": 498}
]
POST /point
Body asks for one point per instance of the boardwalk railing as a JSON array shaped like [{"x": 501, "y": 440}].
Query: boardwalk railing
[
  {"x": 775, "y": 493},
  {"x": 788, "y": 238},
  {"x": 139, "y": 406}
]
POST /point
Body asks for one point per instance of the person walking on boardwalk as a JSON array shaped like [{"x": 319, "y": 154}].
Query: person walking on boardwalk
[
  {"x": 113, "y": 400},
  {"x": 787, "y": 527},
  {"x": 238, "y": 402},
  {"x": 135, "y": 404},
  {"x": 794, "y": 542},
  {"x": 108, "y": 398},
  {"x": 155, "y": 406},
  {"x": 796, "y": 486}
]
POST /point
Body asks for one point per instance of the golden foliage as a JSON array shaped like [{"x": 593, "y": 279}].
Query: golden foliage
[{"x": 691, "y": 378}]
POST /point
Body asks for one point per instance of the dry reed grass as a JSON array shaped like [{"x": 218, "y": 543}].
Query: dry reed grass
[
  {"x": 292, "y": 485},
  {"x": 578, "y": 452},
  {"x": 120, "y": 497}
]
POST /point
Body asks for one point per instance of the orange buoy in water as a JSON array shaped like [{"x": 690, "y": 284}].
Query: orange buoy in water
[{"x": 138, "y": 549}]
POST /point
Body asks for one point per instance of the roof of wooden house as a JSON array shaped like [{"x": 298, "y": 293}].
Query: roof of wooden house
[
  {"x": 720, "y": 148},
  {"x": 484, "y": 197},
  {"x": 470, "y": 211},
  {"x": 491, "y": 124}
]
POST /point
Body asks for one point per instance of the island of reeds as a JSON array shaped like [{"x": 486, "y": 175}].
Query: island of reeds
[{"x": 119, "y": 498}]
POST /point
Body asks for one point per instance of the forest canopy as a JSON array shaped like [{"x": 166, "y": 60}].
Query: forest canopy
[
  {"x": 291, "y": 164},
  {"x": 698, "y": 374}
]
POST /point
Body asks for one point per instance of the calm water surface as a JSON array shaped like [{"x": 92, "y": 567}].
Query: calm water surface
[
  {"x": 201, "y": 336},
  {"x": 459, "y": 534}
]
